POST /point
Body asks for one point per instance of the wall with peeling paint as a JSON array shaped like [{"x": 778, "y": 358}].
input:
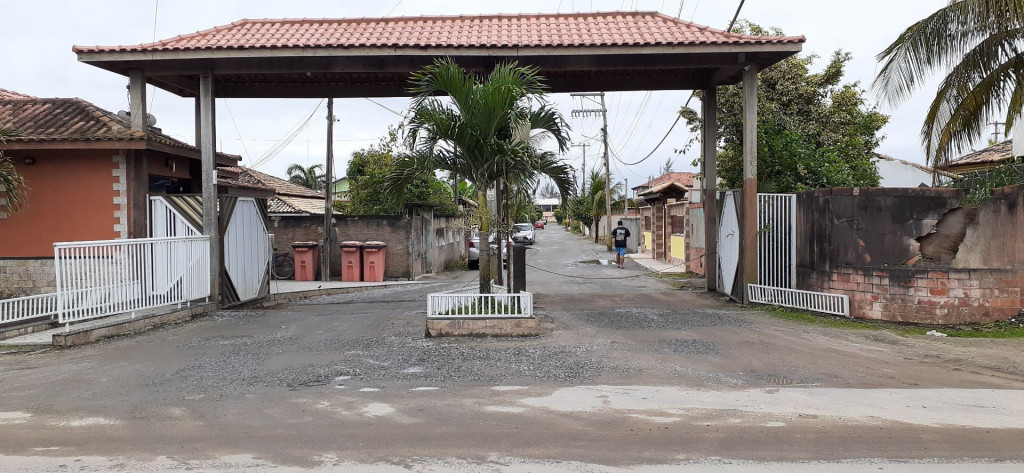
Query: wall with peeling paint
[{"x": 901, "y": 244}]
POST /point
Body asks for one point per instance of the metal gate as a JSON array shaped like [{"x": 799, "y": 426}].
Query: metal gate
[
  {"x": 776, "y": 240},
  {"x": 776, "y": 261},
  {"x": 245, "y": 242},
  {"x": 246, "y": 248},
  {"x": 728, "y": 243}
]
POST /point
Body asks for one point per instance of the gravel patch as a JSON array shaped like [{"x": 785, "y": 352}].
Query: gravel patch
[
  {"x": 688, "y": 346},
  {"x": 643, "y": 318}
]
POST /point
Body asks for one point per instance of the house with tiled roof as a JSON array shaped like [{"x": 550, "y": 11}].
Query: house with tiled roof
[
  {"x": 89, "y": 177},
  {"x": 684, "y": 179},
  {"x": 289, "y": 199},
  {"x": 895, "y": 172},
  {"x": 983, "y": 159}
]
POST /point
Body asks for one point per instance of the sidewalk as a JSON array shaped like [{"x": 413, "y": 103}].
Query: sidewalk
[
  {"x": 656, "y": 265},
  {"x": 281, "y": 287}
]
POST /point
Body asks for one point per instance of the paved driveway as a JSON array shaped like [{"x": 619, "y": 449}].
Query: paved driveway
[{"x": 629, "y": 374}]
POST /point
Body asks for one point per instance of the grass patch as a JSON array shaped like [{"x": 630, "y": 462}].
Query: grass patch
[{"x": 1012, "y": 328}]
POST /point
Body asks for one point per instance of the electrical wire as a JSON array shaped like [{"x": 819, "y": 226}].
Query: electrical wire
[
  {"x": 152, "y": 95},
  {"x": 237, "y": 131},
  {"x": 289, "y": 137},
  {"x": 385, "y": 107}
]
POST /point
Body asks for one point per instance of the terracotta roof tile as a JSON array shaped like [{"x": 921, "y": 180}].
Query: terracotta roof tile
[
  {"x": 684, "y": 178},
  {"x": 12, "y": 95},
  {"x": 73, "y": 119},
  {"x": 280, "y": 186},
  {"x": 996, "y": 153},
  {"x": 502, "y": 31}
]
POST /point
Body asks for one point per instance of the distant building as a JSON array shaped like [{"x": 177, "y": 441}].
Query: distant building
[
  {"x": 984, "y": 159},
  {"x": 899, "y": 173},
  {"x": 340, "y": 189},
  {"x": 548, "y": 206}
]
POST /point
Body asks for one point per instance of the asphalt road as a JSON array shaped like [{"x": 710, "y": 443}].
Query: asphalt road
[{"x": 629, "y": 374}]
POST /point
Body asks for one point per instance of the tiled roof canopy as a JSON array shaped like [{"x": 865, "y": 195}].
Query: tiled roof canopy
[
  {"x": 288, "y": 198},
  {"x": 61, "y": 120},
  {"x": 374, "y": 57},
  {"x": 12, "y": 95},
  {"x": 503, "y": 31},
  {"x": 684, "y": 178}
]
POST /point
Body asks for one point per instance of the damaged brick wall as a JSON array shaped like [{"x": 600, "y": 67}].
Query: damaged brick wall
[{"x": 914, "y": 255}]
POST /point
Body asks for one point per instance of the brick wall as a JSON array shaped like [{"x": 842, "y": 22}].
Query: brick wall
[
  {"x": 26, "y": 277},
  {"x": 924, "y": 295},
  {"x": 408, "y": 238},
  {"x": 658, "y": 234}
]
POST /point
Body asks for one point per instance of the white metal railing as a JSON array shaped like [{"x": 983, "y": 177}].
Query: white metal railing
[
  {"x": 468, "y": 303},
  {"x": 100, "y": 278},
  {"x": 776, "y": 240},
  {"x": 838, "y": 304},
  {"x": 28, "y": 308}
]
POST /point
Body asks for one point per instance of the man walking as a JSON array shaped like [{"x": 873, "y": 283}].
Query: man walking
[{"x": 620, "y": 234}]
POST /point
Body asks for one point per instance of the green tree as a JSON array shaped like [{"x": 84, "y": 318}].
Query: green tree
[
  {"x": 487, "y": 130},
  {"x": 369, "y": 171},
  {"x": 13, "y": 190},
  {"x": 813, "y": 130},
  {"x": 312, "y": 177},
  {"x": 977, "y": 45}
]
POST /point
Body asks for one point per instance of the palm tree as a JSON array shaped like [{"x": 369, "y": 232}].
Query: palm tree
[
  {"x": 487, "y": 131},
  {"x": 595, "y": 197},
  {"x": 977, "y": 44},
  {"x": 12, "y": 184},
  {"x": 312, "y": 177}
]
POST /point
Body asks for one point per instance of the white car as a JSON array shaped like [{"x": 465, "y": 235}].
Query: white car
[
  {"x": 524, "y": 234},
  {"x": 473, "y": 259}
]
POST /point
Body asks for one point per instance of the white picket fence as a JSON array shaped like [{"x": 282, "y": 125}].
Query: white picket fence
[
  {"x": 100, "y": 278},
  {"x": 28, "y": 308},
  {"x": 838, "y": 304},
  {"x": 469, "y": 303}
]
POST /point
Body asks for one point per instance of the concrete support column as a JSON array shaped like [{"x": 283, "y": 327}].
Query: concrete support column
[
  {"x": 207, "y": 126},
  {"x": 137, "y": 97},
  {"x": 710, "y": 145},
  {"x": 748, "y": 227},
  {"x": 658, "y": 230}
]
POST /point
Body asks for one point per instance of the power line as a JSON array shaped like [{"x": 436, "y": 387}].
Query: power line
[
  {"x": 385, "y": 107},
  {"x": 738, "y": 8},
  {"x": 237, "y": 131}
]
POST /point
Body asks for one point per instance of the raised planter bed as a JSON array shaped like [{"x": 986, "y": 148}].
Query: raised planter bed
[{"x": 466, "y": 312}]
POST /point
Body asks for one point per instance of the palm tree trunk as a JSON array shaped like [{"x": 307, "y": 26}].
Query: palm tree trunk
[{"x": 485, "y": 239}]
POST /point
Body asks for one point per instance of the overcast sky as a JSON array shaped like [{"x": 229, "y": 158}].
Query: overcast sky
[{"x": 37, "y": 38}]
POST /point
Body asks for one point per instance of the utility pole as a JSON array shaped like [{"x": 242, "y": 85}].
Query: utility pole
[
  {"x": 325, "y": 252},
  {"x": 607, "y": 166},
  {"x": 995, "y": 130},
  {"x": 584, "y": 146}
]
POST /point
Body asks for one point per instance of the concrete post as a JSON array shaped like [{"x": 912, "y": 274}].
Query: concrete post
[
  {"x": 208, "y": 148},
  {"x": 748, "y": 228},
  {"x": 137, "y": 97},
  {"x": 710, "y": 145}
]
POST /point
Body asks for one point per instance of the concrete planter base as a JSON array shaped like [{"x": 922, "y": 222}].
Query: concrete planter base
[{"x": 482, "y": 327}]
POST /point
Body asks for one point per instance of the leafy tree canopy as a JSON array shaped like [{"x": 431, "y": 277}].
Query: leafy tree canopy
[
  {"x": 813, "y": 130},
  {"x": 368, "y": 171}
]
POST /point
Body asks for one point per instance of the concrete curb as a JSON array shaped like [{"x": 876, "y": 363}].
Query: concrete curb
[
  {"x": 126, "y": 327},
  {"x": 31, "y": 328},
  {"x": 286, "y": 297}
]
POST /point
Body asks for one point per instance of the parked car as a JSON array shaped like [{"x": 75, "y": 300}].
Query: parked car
[
  {"x": 524, "y": 234},
  {"x": 473, "y": 258},
  {"x": 539, "y": 224}
]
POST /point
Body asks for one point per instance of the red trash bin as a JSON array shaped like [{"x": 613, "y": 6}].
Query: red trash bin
[
  {"x": 351, "y": 261},
  {"x": 373, "y": 260},
  {"x": 307, "y": 258}
]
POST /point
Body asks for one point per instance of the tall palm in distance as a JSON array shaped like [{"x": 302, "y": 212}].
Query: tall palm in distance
[
  {"x": 312, "y": 177},
  {"x": 486, "y": 131},
  {"x": 595, "y": 197},
  {"x": 977, "y": 45}
]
